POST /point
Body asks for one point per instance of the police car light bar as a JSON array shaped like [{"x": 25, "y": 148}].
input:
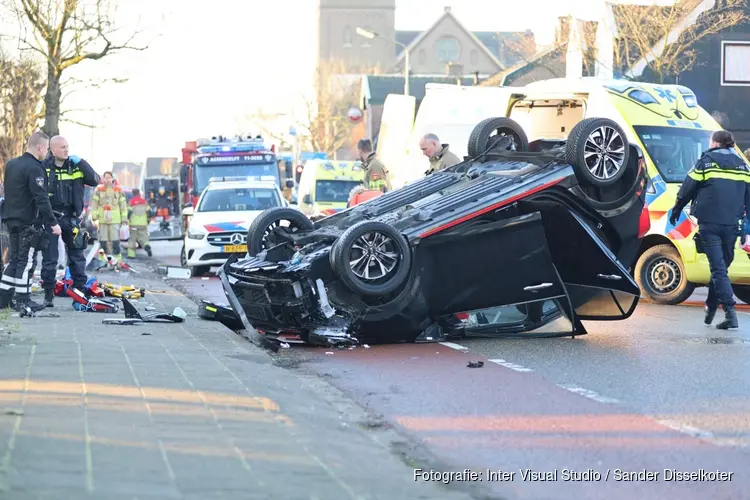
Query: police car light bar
[
  {"x": 253, "y": 178},
  {"x": 219, "y": 144}
]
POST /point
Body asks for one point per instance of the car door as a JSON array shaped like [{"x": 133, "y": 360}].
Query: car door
[
  {"x": 488, "y": 264},
  {"x": 599, "y": 286}
]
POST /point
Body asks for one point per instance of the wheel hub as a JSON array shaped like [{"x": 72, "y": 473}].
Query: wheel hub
[
  {"x": 665, "y": 275},
  {"x": 604, "y": 152},
  {"x": 373, "y": 256}
]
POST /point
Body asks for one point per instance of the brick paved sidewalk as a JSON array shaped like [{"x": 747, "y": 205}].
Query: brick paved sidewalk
[{"x": 185, "y": 410}]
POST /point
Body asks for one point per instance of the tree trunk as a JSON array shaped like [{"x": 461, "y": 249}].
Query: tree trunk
[{"x": 52, "y": 98}]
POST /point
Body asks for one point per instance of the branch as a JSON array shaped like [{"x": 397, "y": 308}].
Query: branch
[
  {"x": 95, "y": 56},
  {"x": 32, "y": 13},
  {"x": 76, "y": 122}
]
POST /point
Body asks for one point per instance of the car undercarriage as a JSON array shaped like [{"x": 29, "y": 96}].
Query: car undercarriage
[{"x": 512, "y": 230}]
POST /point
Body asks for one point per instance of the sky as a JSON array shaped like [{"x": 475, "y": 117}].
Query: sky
[{"x": 211, "y": 64}]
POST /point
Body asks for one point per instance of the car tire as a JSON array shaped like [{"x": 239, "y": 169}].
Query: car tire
[
  {"x": 183, "y": 256},
  {"x": 198, "y": 271},
  {"x": 660, "y": 274},
  {"x": 360, "y": 235},
  {"x": 742, "y": 292},
  {"x": 256, "y": 233},
  {"x": 480, "y": 140},
  {"x": 586, "y": 134}
]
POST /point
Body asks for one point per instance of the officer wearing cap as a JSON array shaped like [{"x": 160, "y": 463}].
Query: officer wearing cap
[
  {"x": 68, "y": 175},
  {"x": 719, "y": 187}
]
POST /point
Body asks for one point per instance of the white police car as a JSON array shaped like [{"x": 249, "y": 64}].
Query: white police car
[{"x": 218, "y": 225}]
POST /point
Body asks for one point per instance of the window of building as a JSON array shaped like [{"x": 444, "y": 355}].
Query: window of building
[
  {"x": 348, "y": 36},
  {"x": 422, "y": 56},
  {"x": 735, "y": 63},
  {"x": 448, "y": 49},
  {"x": 474, "y": 56}
]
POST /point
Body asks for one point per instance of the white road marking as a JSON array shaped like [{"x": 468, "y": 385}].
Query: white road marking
[
  {"x": 588, "y": 393},
  {"x": 454, "y": 346},
  {"x": 512, "y": 366},
  {"x": 595, "y": 396},
  {"x": 686, "y": 429}
]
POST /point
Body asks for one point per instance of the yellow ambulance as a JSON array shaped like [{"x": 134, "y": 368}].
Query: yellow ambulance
[{"x": 325, "y": 185}]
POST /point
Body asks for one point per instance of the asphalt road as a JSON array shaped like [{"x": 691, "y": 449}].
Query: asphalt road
[{"x": 658, "y": 391}]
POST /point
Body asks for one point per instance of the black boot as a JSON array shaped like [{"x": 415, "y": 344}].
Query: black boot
[
  {"x": 24, "y": 302},
  {"x": 710, "y": 314},
  {"x": 6, "y": 299},
  {"x": 49, "y": 297},
  {"x": 147, "y": 248},
  {"x": 730, "y": 319}
]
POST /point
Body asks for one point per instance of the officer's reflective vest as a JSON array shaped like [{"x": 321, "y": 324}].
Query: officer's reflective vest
[
  {"x": 108, "y": 206},
  {"x": 62, "y": 187}
]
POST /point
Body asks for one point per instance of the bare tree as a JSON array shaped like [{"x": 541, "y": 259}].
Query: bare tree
[
  {"x": 326, "y": 115},
  {"x": 649, "y": 32},
  {"x": 66, "y": 33},
  {"x": 524, "y": 49},
  {"x": 261, "y": 120},
  {"x": 21, "y": 84}
]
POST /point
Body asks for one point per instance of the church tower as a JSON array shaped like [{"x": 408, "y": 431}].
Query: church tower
[{"x": 337, "y": 32}]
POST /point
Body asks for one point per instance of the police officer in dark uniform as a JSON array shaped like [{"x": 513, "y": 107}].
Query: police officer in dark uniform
[
  {"x": 68, "y": 176},
  {"x": 719, "y": 186},
  {"x": 27, "y": 212}
]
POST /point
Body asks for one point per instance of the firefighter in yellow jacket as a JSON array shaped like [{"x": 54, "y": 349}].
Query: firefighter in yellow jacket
[
  {"x": 138, "y": 215},
  {"x": 109, "y": 209}
]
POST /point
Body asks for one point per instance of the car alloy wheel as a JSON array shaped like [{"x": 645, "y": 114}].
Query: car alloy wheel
[
  {"x": 373, "y": 256},
  {"x": 664, "y": 275},
  {"x": 604, "y": 152}
]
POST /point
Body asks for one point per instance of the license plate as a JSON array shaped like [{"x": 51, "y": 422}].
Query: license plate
[{"x": 235, "y": 248}]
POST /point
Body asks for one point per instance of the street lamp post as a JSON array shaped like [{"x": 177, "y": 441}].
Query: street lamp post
[{"x": 371, "y": 35}]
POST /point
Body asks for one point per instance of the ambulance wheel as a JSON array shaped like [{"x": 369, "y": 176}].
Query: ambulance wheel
[
  {"x": 742, "y": 292},
  {"x": 661, "y": 276},
  {"x": 598, "y": 151},
  {"x": 497, "y": 134},
  {"x": 264, "y": 231}
]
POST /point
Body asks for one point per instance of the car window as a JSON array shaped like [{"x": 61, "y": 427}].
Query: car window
[
  {"x": 240, "y": 199},
  {"x": 334, "y": 191},
  {"x": 673, "y": 150}
]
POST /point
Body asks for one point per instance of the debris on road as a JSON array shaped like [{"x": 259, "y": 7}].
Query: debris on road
[
  {"x": 133, "y": 316},
  {"x": 477, "y": 364},
  {"x": 174, "y": 272},
  {"x": 284, "y": 345},
  {"x": 222, "y": 313},
  {"x": 13, "y": 412}
]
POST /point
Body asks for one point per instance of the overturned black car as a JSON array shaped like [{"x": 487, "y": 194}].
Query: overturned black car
[{"x": 514, "y": 237}]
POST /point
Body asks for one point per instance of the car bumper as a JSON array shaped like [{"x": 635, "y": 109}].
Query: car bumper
[{"x": 202, "y": 253}]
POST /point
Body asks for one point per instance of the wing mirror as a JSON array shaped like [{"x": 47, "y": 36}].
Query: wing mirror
[{"x": 187, "y": 211}]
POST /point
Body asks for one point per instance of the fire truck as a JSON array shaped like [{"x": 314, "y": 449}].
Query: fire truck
[{"x": 220, "y": 156}]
